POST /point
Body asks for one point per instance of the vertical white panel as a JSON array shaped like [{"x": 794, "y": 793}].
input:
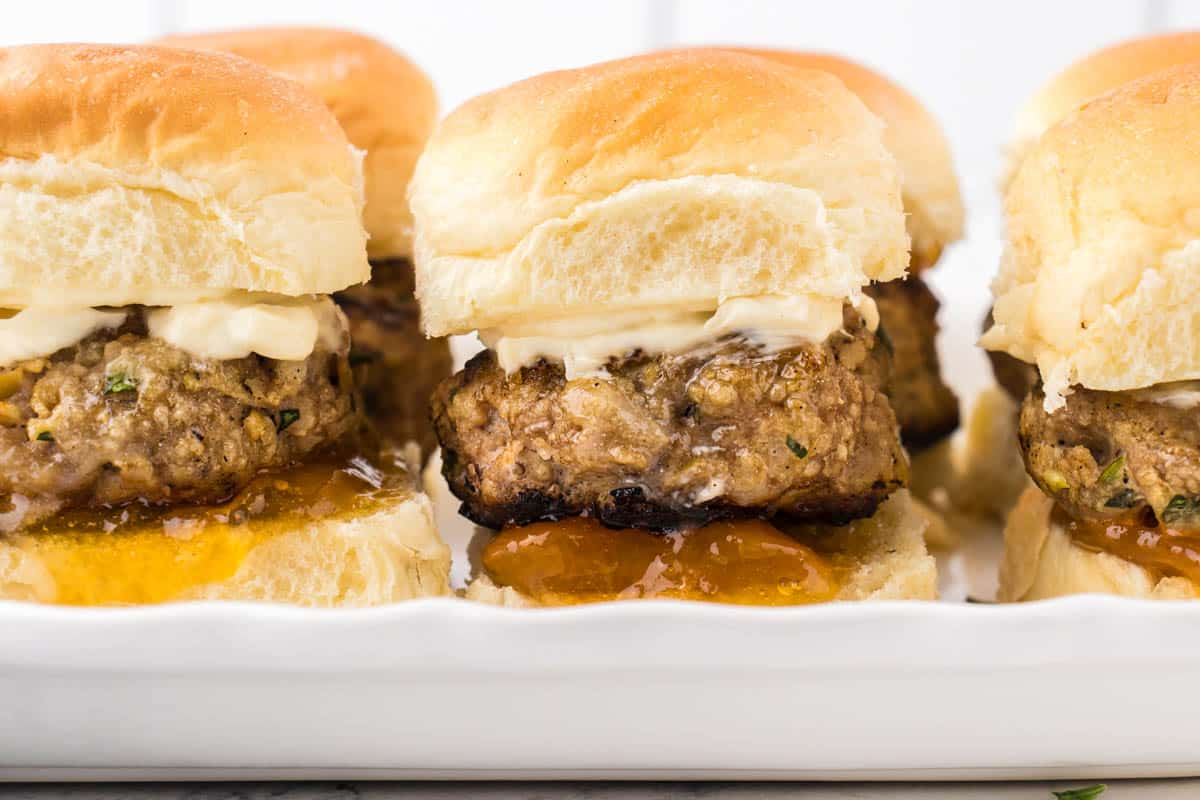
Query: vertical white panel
[
  {"x": 1175, "y": 14},
  {"x": 972, "y": 63},
  {"x": 469, "y": 46},
  {"x": 78, "y": 21}
]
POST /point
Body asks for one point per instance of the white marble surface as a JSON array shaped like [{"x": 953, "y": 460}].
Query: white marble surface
[{"x": 1117, "y": 790}]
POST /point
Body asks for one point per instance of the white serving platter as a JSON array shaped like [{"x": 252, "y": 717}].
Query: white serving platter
[
  {"x": 1081, "y": 687},
  {"x": 1084, "y": 687}
]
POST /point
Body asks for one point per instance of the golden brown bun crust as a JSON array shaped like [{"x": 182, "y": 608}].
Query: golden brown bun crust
[
  {"x": 1041, "y": 561},
  {"x": 662, "y": 181},
  {"x": 384, "y": 102},
  {"x": 932, "y": 199},
  {"x": 118, "y": 160},
  {"x": 1097, "y": 73},
  {"x": 885, "y": 553},
  {"x": 1097, "y": 282}
]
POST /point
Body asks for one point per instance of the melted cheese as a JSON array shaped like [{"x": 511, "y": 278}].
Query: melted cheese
[
  {"x": 584, "y": 345},
  {"x": 235, "y": 327},
  {"x": 42, "y": 330}
]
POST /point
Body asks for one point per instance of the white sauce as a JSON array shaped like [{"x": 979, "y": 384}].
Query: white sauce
[
  {"x": 238, "y": 326},
  {"x": 43, "y": 330},
  {"x": 585, "y": 344},
  {"x": 286, "y": 329}
]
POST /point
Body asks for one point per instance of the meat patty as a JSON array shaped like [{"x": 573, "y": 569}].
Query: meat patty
[
  {"x": 395, "y": 366},
  {"x": 669, "y": 440},
  {"x": 123, "y": 417},
  {"x": 925, "y": 407},
  {"x": 1015, "y": 376},
  {"x": 1115, "y": 454}
]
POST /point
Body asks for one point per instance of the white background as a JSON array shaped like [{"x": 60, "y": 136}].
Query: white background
[{"x": 971, "y": 62}]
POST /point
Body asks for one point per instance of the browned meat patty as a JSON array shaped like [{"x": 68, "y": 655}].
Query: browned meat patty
[
  {"x": 123, "y": 417},
  {"x": 396, "y": 367},
  {"x": 1015, "y": 377},
  {"x": 925, "y": 407},
  {"x": 1114, "y": 454},
  {"x": 670, "y": 440}
]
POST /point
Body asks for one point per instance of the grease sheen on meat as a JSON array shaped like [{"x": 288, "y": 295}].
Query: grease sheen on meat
[
  {"x": 123, "y": 416},
  {"x": 668, "y": 440}
]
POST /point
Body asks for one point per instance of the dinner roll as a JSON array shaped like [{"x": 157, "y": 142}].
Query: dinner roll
[
  {"x": 1091, "y": 76},
  {"x": 384, "y": 102},
  {"x": 151, "y": 175},
  {"x": 1098, "y": 280},
  {"x": 932, "y": 201},
  {"x": 666, "y": 181}
]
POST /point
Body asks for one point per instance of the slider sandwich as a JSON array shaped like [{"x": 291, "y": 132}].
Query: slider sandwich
[
  {"x": 995, "y": 475},
  {"x": 178, "y": 415},
  {"x": 682, "y": 393},
  {"x": 1097, "y": 289},
  {"x": 387, "y": 107}
]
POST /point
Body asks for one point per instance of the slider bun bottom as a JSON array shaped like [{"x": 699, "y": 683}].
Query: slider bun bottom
[
  {"x": 383, "y": 556},
  {"x": 886, "y": 553},
  {"x": 1041, "y": 561}
]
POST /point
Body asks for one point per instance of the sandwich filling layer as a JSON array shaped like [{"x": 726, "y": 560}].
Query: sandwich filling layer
[
  {"x": 728, "y": 429},
  {"x": 578, "y": 560},
  {"x": 585, "y": 344},
  {"x": 1124, "y": 471},
  {"x": 124, "y": 416}
]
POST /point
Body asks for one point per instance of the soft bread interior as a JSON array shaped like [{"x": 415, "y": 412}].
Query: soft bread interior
[
  {"x": 1040, "y": 561},
  {"x": 884, "y": 558},
  {"x": 391, "y": 553}
]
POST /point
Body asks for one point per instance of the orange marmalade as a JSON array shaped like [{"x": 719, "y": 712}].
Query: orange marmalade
[
  {"x": 578, "y": 560},
  {"x": 1158, "y": 548},
  {"x": 149, "y": 554}
]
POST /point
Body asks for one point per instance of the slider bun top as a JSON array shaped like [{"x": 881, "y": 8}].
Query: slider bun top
[
  {"x": 928, "y": 182},
  {"x": 1099, "y": 279},
  {"x": 670, "y": 181},
  {"x": 1091, "y": 76},
  {"x": 152, "y": 175},
  {"x": 384, "y": 102}
]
